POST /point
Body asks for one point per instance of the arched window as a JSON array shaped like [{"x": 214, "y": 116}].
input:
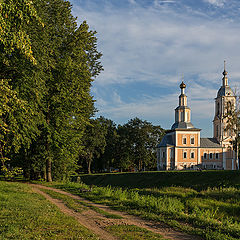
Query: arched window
[
  {"x": 217, "y": 109},
  {"x": 229, "y": 107}
]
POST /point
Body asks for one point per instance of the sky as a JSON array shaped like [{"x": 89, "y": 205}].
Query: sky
[{"x": 150, "y": 46}]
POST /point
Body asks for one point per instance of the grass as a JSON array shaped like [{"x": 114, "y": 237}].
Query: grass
[
  {"x": 78, "y": 205},
  {"x": 71, "y": 203},
  {"x": 27, "y": 215},
  {"x": 132, "y": 232},
  {"x": 212, "y": 213},
  {"x": 198, "y": 180}
]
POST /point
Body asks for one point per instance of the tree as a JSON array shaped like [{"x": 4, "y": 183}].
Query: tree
[
  {"x": 14, "y": 16},
  {"x": 142, "y": 137},
  {"x": 94, "y": 142},
  {"x": 15, "y": 115},
  {"x": 55, "y": 85},
  {"x": 108, "y": 157},
  {"x": 124, "y": 158},
  {"x": 232, "y": 117}
]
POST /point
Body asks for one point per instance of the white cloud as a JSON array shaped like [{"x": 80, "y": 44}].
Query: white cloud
[
  {"x": 140, "y": 44},
  {"x": 218, "y": 3},
  {"x": 132, "y": 2},
  {"x": 156, "y": 45}
]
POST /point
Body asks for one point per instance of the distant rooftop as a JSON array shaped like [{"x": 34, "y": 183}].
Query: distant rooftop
[{"x": 209, "y": 143}]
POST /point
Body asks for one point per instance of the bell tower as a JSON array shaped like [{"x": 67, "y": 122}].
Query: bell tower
[
  {"x": 182, "y": 112},
  {"x": 224, "y": 101}
]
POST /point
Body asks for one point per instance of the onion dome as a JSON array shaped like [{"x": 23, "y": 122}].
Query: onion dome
[{"x": 182, "y": 85}]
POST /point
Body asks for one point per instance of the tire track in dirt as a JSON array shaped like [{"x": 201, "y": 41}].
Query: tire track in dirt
[
  {"x": 96, "y": 222},
  {"x": 83, "y": 218}
]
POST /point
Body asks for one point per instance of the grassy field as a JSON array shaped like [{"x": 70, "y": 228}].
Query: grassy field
[
  {"x": 27, "y": 215},
  {"x": 201, "y": 209},
  {"x": 198, "y": 180},
  {"x": 124, "y": 232}
]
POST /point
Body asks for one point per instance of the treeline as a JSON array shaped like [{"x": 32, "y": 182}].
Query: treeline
[
  {"x": 47, "y": 65},
  {"x": 128, "y": 147}
]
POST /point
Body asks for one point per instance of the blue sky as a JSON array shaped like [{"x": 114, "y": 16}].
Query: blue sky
[{"x": 148, "y": 45}]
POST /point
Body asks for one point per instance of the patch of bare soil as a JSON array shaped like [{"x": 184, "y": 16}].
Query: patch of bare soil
[{"x": 97, "y": 223}]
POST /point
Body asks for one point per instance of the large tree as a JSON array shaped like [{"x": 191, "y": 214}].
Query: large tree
[
  {"x": 108, "y": 158},
  {"x": 94, "y": 141},
  {"x": 55, "y": 85},
  {"x": 142, "y": 138},
  {"x": 68, "y": 62},
  {"x": 15, "y": 114}
]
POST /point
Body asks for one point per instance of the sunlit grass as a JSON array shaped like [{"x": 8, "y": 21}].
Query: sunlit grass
[
  {"x": 131, "y": 232},
  {"x": 27, "y": 215},
  {"x": 212, "y": 213},
  {"x": 78, "y": 205}
]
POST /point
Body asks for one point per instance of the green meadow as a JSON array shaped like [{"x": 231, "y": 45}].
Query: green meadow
[
  {"x": 202, "y": 203},
  {"x": 27, "y": 215}
]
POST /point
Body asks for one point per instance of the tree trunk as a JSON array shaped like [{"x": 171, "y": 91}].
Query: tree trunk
[
  {"x": 44, "y": 173},
  {"x": 49, "y": 169},
  {"x": 237, "y": 154},
  {"x": 140, "y": 165},
  {"x": 89, "y": 167}
]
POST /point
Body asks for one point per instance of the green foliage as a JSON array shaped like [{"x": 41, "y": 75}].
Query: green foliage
[
  {"x": 14, "y": 16},
  {"x": 10, "y": 174},
  {"x": 14, "y": 118},
  {"x": 108, "y": 158},
  {"x": 140, "y": 139},
  {"x": 94, "y": 141},
  {"x": 56, "y": 89}
]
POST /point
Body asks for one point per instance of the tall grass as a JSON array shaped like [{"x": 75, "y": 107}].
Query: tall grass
[{"x": 211, "y": 213}]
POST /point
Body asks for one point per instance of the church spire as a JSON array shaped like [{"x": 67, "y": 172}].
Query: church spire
[
  {"x": 225, "y": 79},
  {"x": 182, "y": 112},
  {"x": 182, "y": 97}
]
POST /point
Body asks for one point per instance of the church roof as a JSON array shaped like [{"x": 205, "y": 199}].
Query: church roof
[
  {"x": 204, "y": 142},
  {"x": 225, "y": 91},
  {"x": 167, "y": 140},
  {"x": 209, "y": 143},
  {"x": 182, "y": 125}
]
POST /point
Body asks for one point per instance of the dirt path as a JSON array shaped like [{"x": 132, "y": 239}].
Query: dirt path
[{"x": 97, "y": 223}]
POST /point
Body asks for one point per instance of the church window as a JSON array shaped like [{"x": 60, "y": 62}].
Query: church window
[
  {"x": 163, "y": 154},
  {"x": 184, "y": 140},
  {"x": 210, "y": 156},
  {"x": 229, "y": 107},
  {"x": 182, "y": 116},
  {"x": 217, "y": 130},
  {"x": 185, "y": 155},
  {"x": 217, "y": 155},
  {"x": 192, "y": 154},
  {"x": 217, "y": 109},
  {"x": 192, "y": 140},
  {"x": 205, "y": 155}
]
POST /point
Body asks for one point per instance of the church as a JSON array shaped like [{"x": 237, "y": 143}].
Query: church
[{"x": 183, "y": 148}]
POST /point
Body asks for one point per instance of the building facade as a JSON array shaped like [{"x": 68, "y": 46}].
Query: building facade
[{"x": 183, "y": 148}]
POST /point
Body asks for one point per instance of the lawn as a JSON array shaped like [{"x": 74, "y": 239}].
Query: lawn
[
  {"x": 198, "y": 180},
  {"x": 27, "y": 215},
  {"x": 210, "y": 212}
]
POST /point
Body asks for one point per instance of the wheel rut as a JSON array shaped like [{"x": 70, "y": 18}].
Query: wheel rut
[{"x": 97, "y": 222}]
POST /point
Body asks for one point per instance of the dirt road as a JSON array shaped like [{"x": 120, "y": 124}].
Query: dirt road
[{"x": 97, "y": 223}]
